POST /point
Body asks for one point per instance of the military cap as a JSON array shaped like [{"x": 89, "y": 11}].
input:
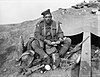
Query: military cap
[{"x": 46, "y": 12}]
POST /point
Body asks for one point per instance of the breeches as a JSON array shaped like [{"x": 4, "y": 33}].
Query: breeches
[{"x": 62, "y": 48}]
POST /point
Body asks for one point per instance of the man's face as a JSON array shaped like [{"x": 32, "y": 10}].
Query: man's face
[{"x": 48, "y": 18}]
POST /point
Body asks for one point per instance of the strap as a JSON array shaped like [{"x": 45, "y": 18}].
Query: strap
[
  {"x": 51, "y": 29},
  {"x": 44, "y": 29},
  {"x": 51, "y": 32},
  {"x": 56, "y": 26}
]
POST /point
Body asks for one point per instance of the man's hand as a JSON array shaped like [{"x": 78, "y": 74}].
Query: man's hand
[
  {"x": 53, "y": 43},
  {"x": 64, "y": 38},
  {"x": 60, "y": 39},
  {"x": 57, "y": 42}
]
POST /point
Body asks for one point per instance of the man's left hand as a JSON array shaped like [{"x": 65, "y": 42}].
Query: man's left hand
[
  {"x": 64, "y": 38},
  {"x": 57, "y": 42}
]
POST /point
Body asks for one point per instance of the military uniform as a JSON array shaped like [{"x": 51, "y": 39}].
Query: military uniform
[{"x": 50, "y": 32}]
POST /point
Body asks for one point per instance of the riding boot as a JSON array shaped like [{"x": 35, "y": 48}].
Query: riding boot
[
  {"x": 64, "y": 47},
  {"x": 63, "y": 51}
]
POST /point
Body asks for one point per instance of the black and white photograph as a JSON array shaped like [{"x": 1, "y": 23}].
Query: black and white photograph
[{"x": 49, "y": 38}]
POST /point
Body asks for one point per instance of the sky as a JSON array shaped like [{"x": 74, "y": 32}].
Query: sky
[{"x": 16, "y": 11}]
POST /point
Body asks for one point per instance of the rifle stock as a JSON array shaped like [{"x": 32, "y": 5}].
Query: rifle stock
[
  {"x": 22, "y": 41},
  {"x": 76, "y": 48},
  {"x": 33, "y": 69}
]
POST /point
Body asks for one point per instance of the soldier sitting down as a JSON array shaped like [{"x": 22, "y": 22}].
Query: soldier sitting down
[{"x": 48, "y": 33}]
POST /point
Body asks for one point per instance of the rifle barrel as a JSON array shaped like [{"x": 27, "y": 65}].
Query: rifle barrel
[
  {"x": 75, "y": 48},
  {"x": 84, "y": 40}
]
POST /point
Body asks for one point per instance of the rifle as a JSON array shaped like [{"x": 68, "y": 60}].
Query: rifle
[
  {"x": 33, "y": 69},
  {"x": 36, "y": 66},
  {"x": 22, "y": 43},
  {"x": 76, "y": 48}
]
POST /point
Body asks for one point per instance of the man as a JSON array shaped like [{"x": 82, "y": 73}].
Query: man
[{"x": 48, "y": 31}]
